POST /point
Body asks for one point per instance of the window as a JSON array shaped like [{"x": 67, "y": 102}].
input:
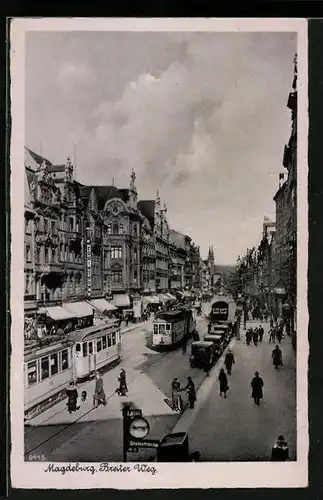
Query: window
[
  {"x": 84, "y": 349},
  {"x": 46, "y": 255},
  {"x": 104, "y": 342},
  {"x": 116, "y": 252},
  {"x": 28, "y": 253},
  {"x": 45, "y": 225},
  {"x": 71, "y": 224},
  {"x": 98, "y": 345},
  {"x": 28, "y": 226},
  {"x": 32, "y": 373},
  {"x": 38, "y": 255},
  {"x": 155, "y": 329},
  {"x": 109, "y": 341},
  {"x": 27, "y": 283},
  {"x": 116, "y": 277},
  {"x": 115, "y": 228},
  {"x": 109, "y": 229},
  {"x": 121, "y": 228},
  {"x": 90, "y": 347},
  {"x": 161, "y": 328},
  {"x": 64, "y": 359},
  {"x": 135, "y": 229},
  {"x": 78, "y": 347},
  {"x": 53, "y": 227},
  {"x": 114, "y": 338},
  {"x": 44, "y": 366},
  {"x": 53, "y": 364}
]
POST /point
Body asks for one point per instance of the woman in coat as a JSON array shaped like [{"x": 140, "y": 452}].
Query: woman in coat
[
  {"x": 277, "y": 357},
  {"x": 257, "y": 385},
  {"x": 72, "y": 395},
  {"x": 99, "y": 394},
  {"x": 191, "y": 394},
  {"x": 123, "y": 389},
  {"x": 223, "y": 383},
  {"x": 229, "y": 361}
]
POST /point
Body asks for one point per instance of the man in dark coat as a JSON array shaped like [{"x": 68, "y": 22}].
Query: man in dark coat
[
  {"x": 261, "y": 333},
  {"x": 277, "y": 357},
  {"x": 255, "y": 336},
  {"x": 257, "y": 385},
  {"x": 72, "y": 395},
  {"x": 123, "y": 389},
  {"x": 223, "y": 383},
  {"x": 191, "y": 394},
  {"x": 99, "y": 394},
  {"x": 229, "y": 361},
  {"x": 280, "y": 450}
]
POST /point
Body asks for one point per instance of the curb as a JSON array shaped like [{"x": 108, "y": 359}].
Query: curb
[{"x": 188, "y": 417}]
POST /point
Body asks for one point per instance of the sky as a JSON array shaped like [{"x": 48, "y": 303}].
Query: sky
[{"x": 200, "y": 116}]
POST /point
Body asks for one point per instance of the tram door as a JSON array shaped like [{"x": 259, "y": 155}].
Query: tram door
[{"x": 91, "y": 357}]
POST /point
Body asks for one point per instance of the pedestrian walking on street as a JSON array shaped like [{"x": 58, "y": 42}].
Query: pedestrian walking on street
[
  {"x": 177, "y": 401},
  {"x": 248, "y": 336},
  {"x": 280, "y": 450},
  {"x": 123, "y": 389},
  {"x": 223, "y": 379},
  {"x": 279, "y": 334},
  {"x": 272, "y": 335},
  {"x": 229, "y": 361},
  {"x": 277, "y": 357},
  {"x": 261, "y": 332},
  {"x": 255, "y": 336},
  {"x": 271, "y": 324},
  {"x": 99, "y": 394},
  {"x": 72, "y": 396},
  {"x": 257, "y": 385},
  {"x": 191, "y": 394}
]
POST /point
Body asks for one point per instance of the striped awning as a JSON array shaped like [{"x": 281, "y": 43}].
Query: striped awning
[
  {"x": 102, "y": 305},
  {"x": 56, "y": 313},
  {"x": 79, "y": 309}
]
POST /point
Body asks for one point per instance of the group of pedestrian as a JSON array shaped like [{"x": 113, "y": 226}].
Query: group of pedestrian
[
  {"x": 177, "y": 401},
  {"x": 255, "y": 335}
]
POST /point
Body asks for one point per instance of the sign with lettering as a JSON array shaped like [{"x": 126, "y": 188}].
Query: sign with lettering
[
  {"x": 132, "y": 413},
  {"x": 89, "y": 266},
  {"x": 144, "y": 443}
]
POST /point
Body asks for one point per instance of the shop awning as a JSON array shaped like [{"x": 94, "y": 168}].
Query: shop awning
[
  {"x": 163, "y": 297},
  {"x": 187, "y": 294},
  {"x": 171, "y": 297},
  {"x": 79, "y": 309},
  {"x": 151, "y": 299},
  {"x": 56, "y": 313},
  {"x": 102, "y": 305},
  {"x": 121, "y": 301}
]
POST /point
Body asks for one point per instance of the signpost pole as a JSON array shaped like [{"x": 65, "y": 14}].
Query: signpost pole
[{"x": 125, "y": 431}]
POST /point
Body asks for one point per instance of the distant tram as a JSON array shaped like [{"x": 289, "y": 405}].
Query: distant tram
[
  {"x": 170, "y": 328},
  {"x": 220, "y": 311},
  {"x": 48, "y": 370}
]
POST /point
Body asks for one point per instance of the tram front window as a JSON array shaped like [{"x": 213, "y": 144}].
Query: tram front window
[
  {"x": 161, "y": 328},
  {"x": 32, "y": 373},
  {"x": 84, "y": 350},
  {"x": 53, "y": 364},
  {"x": 155, "y": 329}
]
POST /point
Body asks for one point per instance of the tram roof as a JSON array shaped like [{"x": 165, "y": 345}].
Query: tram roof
[{"x": 79, "y": 335}]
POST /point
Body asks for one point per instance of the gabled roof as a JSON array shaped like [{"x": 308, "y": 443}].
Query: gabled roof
[
  {"x": 124, "y": 194},
  {"x": 147, "y": 208},
  {"x": 36, "y": 157},
  {"x": 105, "y": 193}
]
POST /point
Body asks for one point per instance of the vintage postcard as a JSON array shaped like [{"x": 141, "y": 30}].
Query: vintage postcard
[{"x": 159, "y": 253}]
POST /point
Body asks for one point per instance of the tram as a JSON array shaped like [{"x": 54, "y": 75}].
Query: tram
[
  {"x": 170, "y": 328},
  {"x": 48, "y": 370}
]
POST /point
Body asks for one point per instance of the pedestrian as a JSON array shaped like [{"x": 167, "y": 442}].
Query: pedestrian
[
  {"x": 272, "y": 335},
  {"x": 248, "y": 336},
  {"x": 72, "y": 396},
  {"x": 271, "y": 323},
  {"x": 177, "y": 401},
  {"x": 257, "y": 385},
  {"x": 261, "y": 332},
  {"x": 223, "y": 383},
  {"x": 229, "y": 361},
  {"x": 99, "y": 394},
  {"x": 122, "y": 379},
  {"x": 280, "y": 450},
  {"x": 196, "y": 456},
  {"x": 277, "y": 357},
  {"x": 191, "y": 394},
  {"x": 255, "y": 337},
  {"x": 279, "y": 334}
]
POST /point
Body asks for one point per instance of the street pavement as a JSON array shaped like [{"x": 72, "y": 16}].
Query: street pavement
[
  {"x": 235, "y": 429},
  {"x": 96, "y": 434}
]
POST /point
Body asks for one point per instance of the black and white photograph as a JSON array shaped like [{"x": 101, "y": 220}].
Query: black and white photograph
[{"x": 159, "y": 253}]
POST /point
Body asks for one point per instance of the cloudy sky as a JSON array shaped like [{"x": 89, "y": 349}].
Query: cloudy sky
[{"x": 201, "y": 116}]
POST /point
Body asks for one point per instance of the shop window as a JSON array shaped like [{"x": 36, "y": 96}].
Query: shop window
[
  {"x": 44, "y": 365},
  {"x": 53, "y": 364},
  {"x": 90, "y": 347},
  {"x": 32, "y": 373},
  {"x": 98, "y": 345},
  {"x": 84, "y": 349},
  {"x": 104, "y": 342},
  {"x": 109, "y": 341},
  {"x": 64, "y": 359}
]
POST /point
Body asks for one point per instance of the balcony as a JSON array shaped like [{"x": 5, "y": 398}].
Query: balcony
[{"x": 51, "y": 267}]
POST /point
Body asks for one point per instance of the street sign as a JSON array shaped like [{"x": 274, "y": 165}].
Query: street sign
[
  {"x": 132, "y": 413},
  {"x": 144, "y": 443},
  {"x": 139, "y": 428}
]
